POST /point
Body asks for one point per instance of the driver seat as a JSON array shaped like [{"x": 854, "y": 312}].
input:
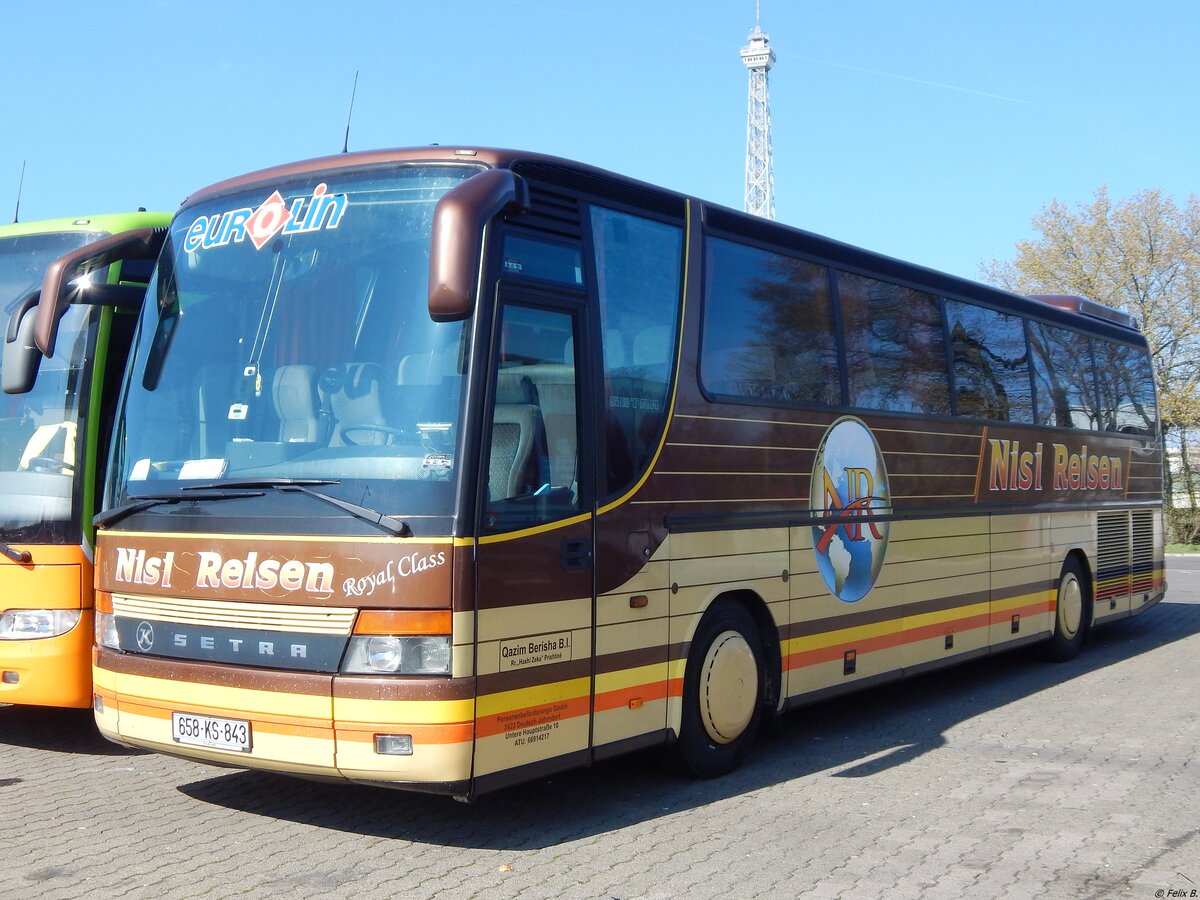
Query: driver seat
[
  {"x": 351, "y": 394},
  {"x": 294, "y": 390}
]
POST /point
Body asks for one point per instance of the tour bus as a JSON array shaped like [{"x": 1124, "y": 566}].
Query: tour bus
[
  {"x": 451, "y": 468},
  {"x": 56, "y": 417}
]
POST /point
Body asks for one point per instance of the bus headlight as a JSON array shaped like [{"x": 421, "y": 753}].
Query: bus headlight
[
  {"x": 422, "y": 654},
  {"x": 106, "y": 631},
  {"x": 24, "y": 624}
]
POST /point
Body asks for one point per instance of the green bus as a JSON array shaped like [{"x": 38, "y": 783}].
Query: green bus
[{"x": 55, "y": 417}]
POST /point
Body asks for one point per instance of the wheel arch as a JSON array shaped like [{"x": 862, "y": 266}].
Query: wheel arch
[
  {"x": 768, "y": 633},
  {"x": 1089, "y": 583}
]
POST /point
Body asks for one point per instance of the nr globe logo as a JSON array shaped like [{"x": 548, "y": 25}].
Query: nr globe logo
[{"x": 849, "y": 488}]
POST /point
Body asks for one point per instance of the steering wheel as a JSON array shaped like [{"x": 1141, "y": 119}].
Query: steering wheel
[
  {"x": 50, "y": 465},
  {"x": 369, "y": 426}
]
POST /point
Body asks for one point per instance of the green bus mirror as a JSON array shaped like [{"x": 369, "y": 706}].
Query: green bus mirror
[
  {"x": 22, "y": 358},
  {"x": 60, "y": 288}
]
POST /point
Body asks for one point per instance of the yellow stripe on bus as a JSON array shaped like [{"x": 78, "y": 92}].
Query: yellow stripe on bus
[
  {"x": 904, "y": 623},
  {"x": 416, "y": 712},
  {"x": 185, "y": 695},
  {"x": 629, "y": 678},
  {"x": 527, "y": 698}
]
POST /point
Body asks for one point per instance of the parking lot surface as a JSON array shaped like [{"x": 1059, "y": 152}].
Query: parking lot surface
[{"x": 1008, "y": 777}]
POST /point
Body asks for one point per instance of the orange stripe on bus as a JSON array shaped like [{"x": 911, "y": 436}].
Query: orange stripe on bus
[
  {"x": 516, "y": 719},
  {"x": 910, "y": 635},
  {"x": 1033, "y": 609},
  {"x": 619, "y": 699},
  {"x": 882, "y": 642},
  {"x": 269, "y": 722}
]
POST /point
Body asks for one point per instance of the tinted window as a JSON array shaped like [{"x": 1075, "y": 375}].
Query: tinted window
[
  {"x": 533, "y": 450},
  {"x": 306, "y": 354},
  {"x": 768, "y": 327},
  {"x": 639, "y": 265},
  {"x": 24, "y": 257},
  {"x": 895, "y": 350},
  {"x": 1063, "y": 377},
  {"x": 1126, "y": 383},
  {"x": 991, "y": 364},
  {"x": 532, "y": 258}
]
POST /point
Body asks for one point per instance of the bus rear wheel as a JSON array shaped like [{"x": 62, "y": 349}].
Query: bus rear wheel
[
  {"x": 1070, "y": 612},
  {"x": 722, "y": 693}
]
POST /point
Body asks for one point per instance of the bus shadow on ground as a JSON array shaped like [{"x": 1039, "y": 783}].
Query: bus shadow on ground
[
  {"x": 853, "y": 736},
  {"x": 56, "y": 731}
]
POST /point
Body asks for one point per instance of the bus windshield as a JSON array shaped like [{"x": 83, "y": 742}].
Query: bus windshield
[
  {"x": 41, "y": 430},
  {"x": 286, "y": 335},
  {"x": 23, "y": 260}
]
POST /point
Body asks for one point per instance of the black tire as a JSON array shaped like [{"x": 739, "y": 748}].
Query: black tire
[
  {"x": 722, "y": 693},
  {"x": 1072, "y": 612}
]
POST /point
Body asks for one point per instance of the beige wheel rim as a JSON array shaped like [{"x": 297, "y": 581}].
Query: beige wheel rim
[
  {"x": 728, "y": 687},
  {"x": 1070, "y": 605}
]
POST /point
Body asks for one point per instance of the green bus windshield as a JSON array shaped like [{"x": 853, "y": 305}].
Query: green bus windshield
[{"x": 41, "y": 432}]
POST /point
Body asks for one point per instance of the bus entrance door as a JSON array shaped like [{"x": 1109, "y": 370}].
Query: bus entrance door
[{"x": 534, "y": 562}]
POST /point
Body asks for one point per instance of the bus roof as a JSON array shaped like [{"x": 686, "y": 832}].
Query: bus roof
[
  {"x": 1079, "y": 312},
  {"x": 481, "y": 156},
  {"x": 109, "y": 223}
]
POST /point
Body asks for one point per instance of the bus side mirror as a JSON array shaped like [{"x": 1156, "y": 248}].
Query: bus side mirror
[
  {"x": 58, "y": 292},
  {"x": 457, "y": 239},
  {"x": 22, "y": 358}
]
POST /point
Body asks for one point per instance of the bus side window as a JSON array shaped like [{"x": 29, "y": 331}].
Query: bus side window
[
  {"x": 768, "y": 327},
  {"x": 991, "y": 364},
  {"x": 1126, "y": 386},
  {"x": 895, "y": 349},
  {"x": 1063, "y": 377},
  {"x": 639, "y": 265}
]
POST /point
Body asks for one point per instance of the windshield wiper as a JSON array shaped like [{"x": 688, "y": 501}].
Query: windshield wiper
[
  {"x": 247, "y": 487},
  {"x": 398, "y": 527},
  {"x": 107, "y": 517},
  {"x": 17, "y": 556}
]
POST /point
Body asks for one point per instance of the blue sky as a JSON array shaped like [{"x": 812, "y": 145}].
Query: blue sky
[{"x": 929, "y": 130}]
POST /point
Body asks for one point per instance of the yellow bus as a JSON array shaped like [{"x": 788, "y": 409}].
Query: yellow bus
[
  {"x": 449, "y": 468},
  {"x": 54, "y": 426}
]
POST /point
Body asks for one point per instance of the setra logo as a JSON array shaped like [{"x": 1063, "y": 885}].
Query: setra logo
[
  {"x": 145, "y": 636},
  {"x": 849, "y": 488}
]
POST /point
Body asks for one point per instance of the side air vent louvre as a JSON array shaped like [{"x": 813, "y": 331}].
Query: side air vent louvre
[
  {"x": 601, "y": 186},
  {"x": 550, "y": 211},
  {"x": 1143, "y": 551},
  {"x": 1112, "y": 555}
]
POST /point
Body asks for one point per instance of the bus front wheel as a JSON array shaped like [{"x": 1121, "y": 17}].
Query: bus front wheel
[
  {"x": 1070, "y": 612},
  {"x": 722, "y": 693}
]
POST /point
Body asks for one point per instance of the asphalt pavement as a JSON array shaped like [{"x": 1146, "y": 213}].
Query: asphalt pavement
[{"x": 1006, "y": 777}]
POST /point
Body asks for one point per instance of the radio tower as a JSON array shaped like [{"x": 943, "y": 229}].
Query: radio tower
[{"x": 760, "y": 178}]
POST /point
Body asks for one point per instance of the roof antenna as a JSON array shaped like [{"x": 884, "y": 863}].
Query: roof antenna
[
  {"x": 353, "y": 91},
  {"x": 20, "y": 187}
]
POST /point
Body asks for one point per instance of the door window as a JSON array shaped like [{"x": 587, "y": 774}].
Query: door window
[{"x": 533, "y": 448}]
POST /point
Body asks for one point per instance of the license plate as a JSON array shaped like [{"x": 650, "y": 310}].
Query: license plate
[{"x": 209, "y": 731}]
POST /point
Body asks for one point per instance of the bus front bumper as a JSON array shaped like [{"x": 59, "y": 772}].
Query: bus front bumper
[
  {"x": 300, "y": 723},
  {"x": 49, "y": 671}
]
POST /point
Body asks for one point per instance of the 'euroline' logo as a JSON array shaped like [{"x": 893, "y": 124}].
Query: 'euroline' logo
[
  {"x": 849, "y": 486},
  {"x": 321, "y": 211}
]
